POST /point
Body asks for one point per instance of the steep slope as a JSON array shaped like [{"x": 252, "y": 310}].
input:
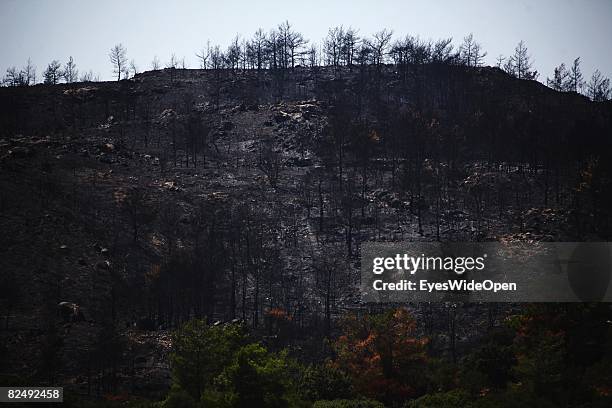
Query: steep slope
[{"x": 228, "y": 195}]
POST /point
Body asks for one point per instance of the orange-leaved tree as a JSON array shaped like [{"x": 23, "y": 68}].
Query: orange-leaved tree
[{"x": 383, "y": 356}]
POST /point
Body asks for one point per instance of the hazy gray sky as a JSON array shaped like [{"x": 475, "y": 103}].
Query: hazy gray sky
[{"x": 554, "y": 30}]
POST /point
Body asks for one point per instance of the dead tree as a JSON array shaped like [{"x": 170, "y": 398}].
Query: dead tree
[{"x": 118, "y": 57}]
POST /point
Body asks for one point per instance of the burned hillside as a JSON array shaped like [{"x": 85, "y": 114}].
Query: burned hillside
[{"x": 245, "y": 195}]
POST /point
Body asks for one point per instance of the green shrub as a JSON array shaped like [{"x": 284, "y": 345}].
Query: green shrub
[
  {"x": 345, "y": 403},
  {"x": 257, "y": 378},
  {"x": 452, "y": 399},
  {"x": 214, "y": 367},
  {"x": 325, "y": 382},
  {"x": 493, "y": 362},
  {"x": 512, "y": 397},
  {"x": 201, "y": 353}
]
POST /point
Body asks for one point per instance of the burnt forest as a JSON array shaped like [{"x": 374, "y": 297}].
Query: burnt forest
[{"x": 192, "y": 237}]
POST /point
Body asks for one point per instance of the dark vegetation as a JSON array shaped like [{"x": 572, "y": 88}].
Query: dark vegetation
[{"x": 193, "y": 236}]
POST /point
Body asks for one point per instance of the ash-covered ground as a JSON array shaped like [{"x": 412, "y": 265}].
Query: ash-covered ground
[{"x": 130, "y": 207}]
